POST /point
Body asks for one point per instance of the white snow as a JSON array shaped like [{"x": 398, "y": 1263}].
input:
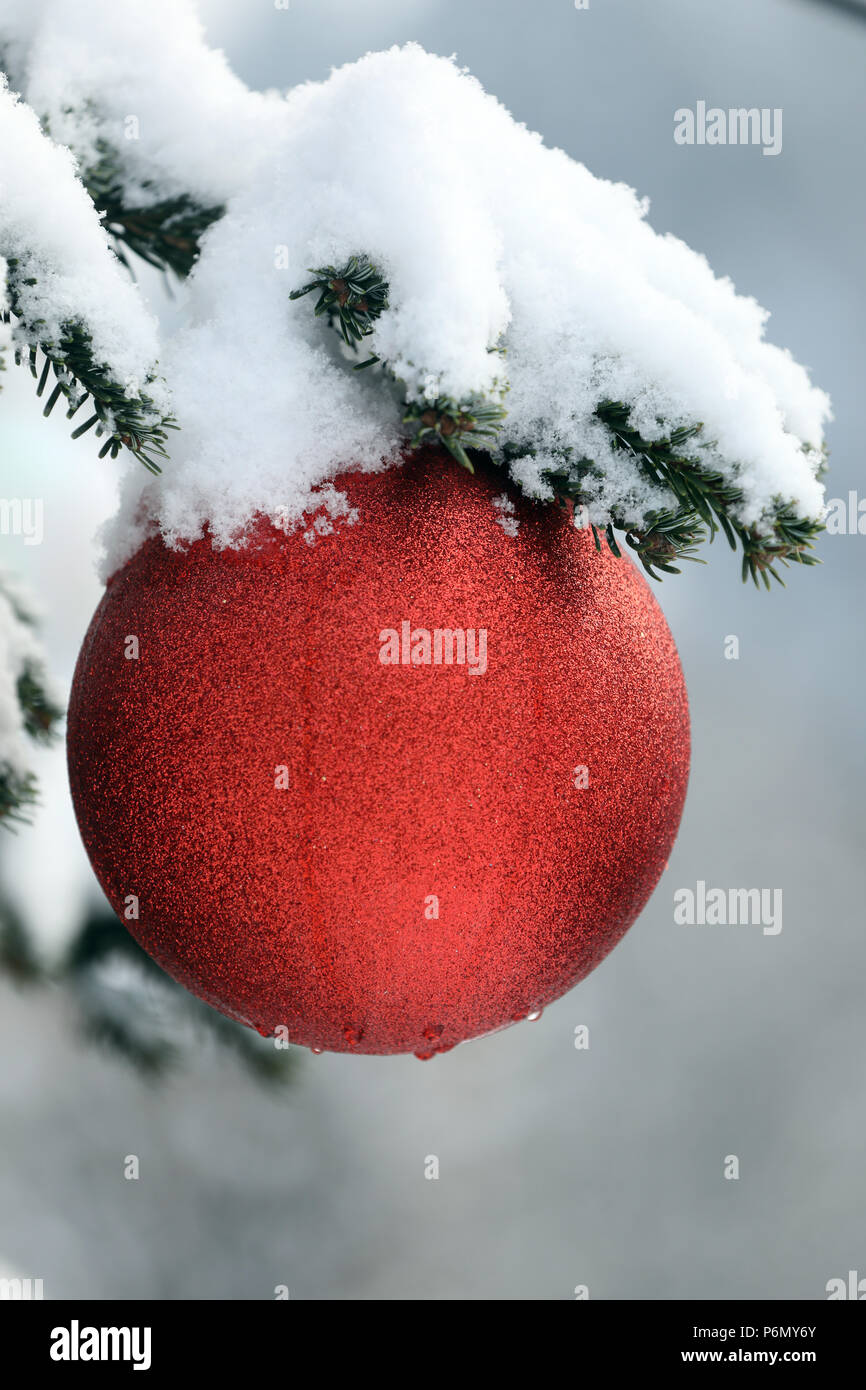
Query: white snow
[
  {"x": 49, "y": 224},
  {"x": 489, "y": 240},
  {"x": 506, "y": 518},
  {"x": 140, "y": 77}
]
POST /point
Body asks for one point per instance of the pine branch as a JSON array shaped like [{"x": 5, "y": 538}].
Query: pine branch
[
  {"x": 456, "y": 427},
  {"x": 41, "y": 714},
  {"x": 133, "y": 422},
  {"x": 164, "y": 232},
  {"x": 157, "y": 1042},
  {"x": 666, "y": 537},
  {"x": 355, "y": 296},
  {"x": 352, "y": 298},
  {"x": 18, "y": 959},
  {"x": 708, "y": 504},
  {"x": 40, "y": 719}
]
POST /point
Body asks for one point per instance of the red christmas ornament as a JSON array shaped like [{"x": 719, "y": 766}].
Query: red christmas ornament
[{"x": 388, "y": 786}]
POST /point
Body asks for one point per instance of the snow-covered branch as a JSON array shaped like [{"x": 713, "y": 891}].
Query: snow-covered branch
[
  {"x": 514, "y": 276},
  {"x": 139, "y": 81},
  {"x": 524, "y": 295},
  {"x": 75, "y": 314}
]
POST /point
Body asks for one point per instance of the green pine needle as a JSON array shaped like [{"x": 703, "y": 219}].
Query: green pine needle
[
  {"x": 40, "y": 717},
  {"x": 456, "y": 427},
  {"x": 17, "y": 797},
  {"x": 353, "y": 297},
  {"x": 130, "y": 422},
  {"x": 707, "y": 504},
  {"x": 166, "y": 233}
]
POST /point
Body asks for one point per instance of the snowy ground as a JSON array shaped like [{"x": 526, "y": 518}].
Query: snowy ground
[{"x": 557, "y": 1167}]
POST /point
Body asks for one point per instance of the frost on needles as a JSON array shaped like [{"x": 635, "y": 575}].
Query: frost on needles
[{"x": 496, "y": 295}]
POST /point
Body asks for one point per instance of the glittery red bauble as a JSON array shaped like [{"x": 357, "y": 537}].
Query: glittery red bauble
[{"x": 381, "y": 857}]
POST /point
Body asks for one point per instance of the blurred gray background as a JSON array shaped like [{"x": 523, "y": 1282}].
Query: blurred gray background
[{"x": 558, "y": 1167}]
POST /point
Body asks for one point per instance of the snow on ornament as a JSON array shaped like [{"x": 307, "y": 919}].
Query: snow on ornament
[{"x": 403, "y": 745}]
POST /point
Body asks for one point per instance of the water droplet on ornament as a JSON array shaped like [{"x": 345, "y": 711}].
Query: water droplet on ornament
[
  {"x": 424, "y": 1056},
  {"x": 534, "y": 1015},
  {"x": 317, "y": 1051},
  {"x": 353, "y": 1035}
]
